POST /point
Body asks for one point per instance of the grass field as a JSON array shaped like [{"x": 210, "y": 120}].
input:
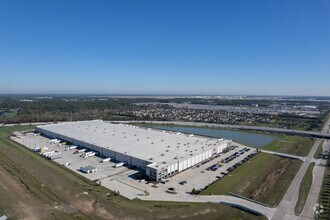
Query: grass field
[
  {"x": 264, "y": 178},
  {"x": 38, "y": 188},
  {"x": 11, "y": 114},
  {"x": 324, "y": 198},
  {"x": 319, "y": 151},
  {"x": 304, "y": 189},
  {"x": 291, "y": 144},
  {"x": 297, "y": 123}
]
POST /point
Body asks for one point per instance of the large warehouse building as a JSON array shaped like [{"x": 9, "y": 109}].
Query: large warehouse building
[{"x": 157, "y": 153}]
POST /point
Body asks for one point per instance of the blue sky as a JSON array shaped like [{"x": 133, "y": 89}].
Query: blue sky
[{"x": 266, "y": 47}]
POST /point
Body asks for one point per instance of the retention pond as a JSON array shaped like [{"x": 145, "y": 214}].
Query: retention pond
[{"x": 251, "y": 139}]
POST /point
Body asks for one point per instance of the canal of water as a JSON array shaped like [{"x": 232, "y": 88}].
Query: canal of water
[{"x": 251, "y": 139}]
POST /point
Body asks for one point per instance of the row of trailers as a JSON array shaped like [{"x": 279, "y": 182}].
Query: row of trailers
[{"x": 162, "y": 171}]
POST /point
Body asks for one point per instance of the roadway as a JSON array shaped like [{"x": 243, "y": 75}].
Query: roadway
[
  {"x": 285, "y": 209},
  {"x": 291, "y": 156},
  {"x": 312, "y": 198},
  {"x": 228, "y": 200}
]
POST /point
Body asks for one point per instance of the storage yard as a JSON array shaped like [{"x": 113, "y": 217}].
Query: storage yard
[{"x": 158, "y": 154}]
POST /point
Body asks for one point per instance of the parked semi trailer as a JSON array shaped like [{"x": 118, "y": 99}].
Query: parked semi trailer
[
  {"x": 119, "y": 164},
  {"x": 106, "y": 160},
  {"x": 88, "y": 169},
  {"x": 55, "y": 156}
]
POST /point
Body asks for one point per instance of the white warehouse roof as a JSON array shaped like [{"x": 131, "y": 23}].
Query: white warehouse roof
[{"x": 143, "y": 143}]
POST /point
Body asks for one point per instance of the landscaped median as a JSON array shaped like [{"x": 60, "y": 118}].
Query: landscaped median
[
  {"x": 319, "y": 151},
  {"x": 264, "y": 178},
  {"x": 305, "y": 186}
]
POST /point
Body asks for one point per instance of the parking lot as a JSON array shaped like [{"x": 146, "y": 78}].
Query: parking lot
[{"x": 127, "y": 181}]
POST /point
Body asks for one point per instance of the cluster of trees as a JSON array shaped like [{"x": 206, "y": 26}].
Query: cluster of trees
[
  {"x": 67, "y": 108},
  {"x": 59, "y": 109}
]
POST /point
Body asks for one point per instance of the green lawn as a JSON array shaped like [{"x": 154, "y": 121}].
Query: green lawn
[
  {"x": 304, "y": 189},
  {"x": 319, "y": 151},
  {"x": 249, "y": 177},
  {"x": 11, "y": 114},
  {"x": 291, "y": 144},
  {"x": 52, "y": 184}
]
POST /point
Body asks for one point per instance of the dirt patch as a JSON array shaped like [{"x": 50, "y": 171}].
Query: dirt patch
[
  {"x": 67, "y": 208},
  {"x": 27, "y": 206},
  {"x": 271, "y": 179},
  {"x": 104, "y": 213},
  {"x": 241, "y": 189},
  {"x": 84, "y": 202},
  {"x": 286, "y": 141}
]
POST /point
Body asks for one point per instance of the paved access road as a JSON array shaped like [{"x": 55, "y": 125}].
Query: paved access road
[
  {"x": 244, "y": 204},
  {"x": 284, "y": 155},
  {"x": 318, "y": 172},
  {"x": 285, "y": 209}
]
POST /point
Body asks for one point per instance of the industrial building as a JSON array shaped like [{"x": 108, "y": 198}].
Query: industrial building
[{"x": 157, "y": 153}]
